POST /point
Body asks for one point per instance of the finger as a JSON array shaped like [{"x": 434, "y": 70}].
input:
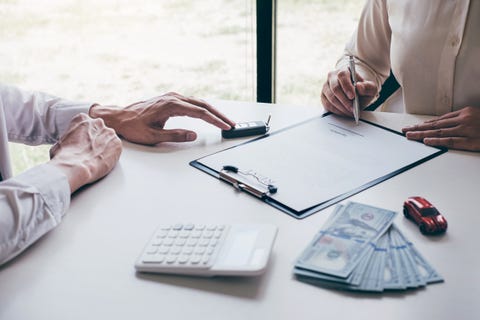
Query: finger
[
  {"x": 53, "y": 150},
  {"x": 445, "y": 116},
  {"x": 334, "y": 106},
  {"x": 173, "y": 135},
  {"x": 366, "y": 88},
  {"x": 433, "y": 125},
  {"x": 337, "y": 105},
  {"x": 451, "y": 143},
  {"x": 182, "y": 108},
  {"x": 335, "y": 84},
  {"x": 98, "y": 123},
  {"x": 81, "y": 117},
  {"x": 359, "y": 77},
  {"x": 438, "y": 133},
  {"x": 207, "y": 106},
  {"x": 78, "y": 119},
  {"x": 345, "y": 81}
]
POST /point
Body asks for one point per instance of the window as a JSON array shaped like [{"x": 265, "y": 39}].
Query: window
[
  {"x": 120, "y": 51},
  {"x": 311, "y": 36}
]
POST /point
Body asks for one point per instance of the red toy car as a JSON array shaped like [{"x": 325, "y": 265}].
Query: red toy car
[{"x": 425, "y": 215}]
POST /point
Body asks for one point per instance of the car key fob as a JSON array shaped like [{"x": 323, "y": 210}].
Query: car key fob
[{"x": 245, "y": 129}]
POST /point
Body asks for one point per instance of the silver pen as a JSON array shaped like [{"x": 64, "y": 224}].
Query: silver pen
[{"x": 353, "y": 75}]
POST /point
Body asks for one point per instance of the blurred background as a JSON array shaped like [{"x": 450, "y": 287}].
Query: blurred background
[{"x": 121, "y": 51}]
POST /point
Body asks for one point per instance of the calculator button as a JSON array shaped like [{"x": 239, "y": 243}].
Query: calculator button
[
  {"x": 162, "y": 234},
  {"x": 152, "y": 250},
  {"x": 192, "y": 242},
  {"x": 154, "y": 259},
  {"x": 176, "y": 250},
  {"x": 184, "y": 246},
  {"x": 199, "y": 250},
  {"x": 195, "y": 259},
  {"x": 171, "y": 259},
  {"x": 180, "y": 242},
  {"x": 196, "y": 234},
  {"x": 203, "y": 242},
  {"x": 205, "y": 260},
  {"x": 188, "y": 226},
  {"x": 187, "y": 250},
  {"x": 173, "y": 234},
  {"x": 163, "y": 249},
  {"x": 208, "y": 234},
  {"x": 183, "y": 259},
  {"x": 157, "y": 242},
  {"x": 184, "y": 234},
  {"x": 168, "y": 242}
]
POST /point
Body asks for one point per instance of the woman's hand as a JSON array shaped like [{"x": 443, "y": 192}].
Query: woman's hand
[{"x": 456, "y": 130}]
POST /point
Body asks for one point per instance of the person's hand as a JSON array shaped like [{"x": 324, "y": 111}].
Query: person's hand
[
  {"x": 143, "y": 122},
  {"x": 86, "y": 152},
  {"x": 338, "y": 92},
  {"x": 456, "y": 130}
]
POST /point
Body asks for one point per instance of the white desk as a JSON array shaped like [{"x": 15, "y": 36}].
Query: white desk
[{"x": 84, "y": 268}]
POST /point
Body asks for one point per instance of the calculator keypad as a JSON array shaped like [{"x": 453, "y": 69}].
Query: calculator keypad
[{"x": 185, "y": 245}]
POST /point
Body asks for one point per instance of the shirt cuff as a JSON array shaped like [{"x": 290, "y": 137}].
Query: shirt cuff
[
  {"x": 52, "y": 184},
  {"x": 65, "y": 111}
]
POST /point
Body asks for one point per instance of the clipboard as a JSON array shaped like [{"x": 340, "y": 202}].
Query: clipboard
[{"x": 312, "y": 165}]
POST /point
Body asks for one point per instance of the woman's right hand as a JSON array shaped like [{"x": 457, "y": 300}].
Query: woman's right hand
[{"x": 338, "y": 92}]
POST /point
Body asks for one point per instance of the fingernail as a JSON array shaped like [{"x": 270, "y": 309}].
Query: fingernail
[
  {"x": 191, "y": 136},
  {"x": 409, "y": 135}
]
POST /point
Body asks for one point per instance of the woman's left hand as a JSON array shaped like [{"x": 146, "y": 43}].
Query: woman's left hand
[{"x": 455, "y": 130}]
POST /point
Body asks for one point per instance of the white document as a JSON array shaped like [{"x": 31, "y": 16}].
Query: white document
[{"x": 323, "y": 159}]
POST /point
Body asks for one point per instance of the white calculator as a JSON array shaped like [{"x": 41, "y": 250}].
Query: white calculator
[{"x": 208, "y": 250}]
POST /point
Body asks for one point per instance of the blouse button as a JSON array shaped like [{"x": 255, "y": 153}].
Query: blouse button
[{"x": 454, "y": 41}]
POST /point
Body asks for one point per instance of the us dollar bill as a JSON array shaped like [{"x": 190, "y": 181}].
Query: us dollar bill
[
  {"x": 392, "y": 278},
  {"x": 339, "y": 247},
  {"x": 423, "y": 269}
]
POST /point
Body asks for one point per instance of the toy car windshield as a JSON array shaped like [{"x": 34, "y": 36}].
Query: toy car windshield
[{"x": 429, "y": 212}]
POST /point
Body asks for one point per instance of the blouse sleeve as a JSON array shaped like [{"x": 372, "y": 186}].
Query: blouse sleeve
[{"x": 370, "y": 44}]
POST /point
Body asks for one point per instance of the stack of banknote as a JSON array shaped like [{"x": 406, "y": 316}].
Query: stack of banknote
[{"x": 359, "y": 248}]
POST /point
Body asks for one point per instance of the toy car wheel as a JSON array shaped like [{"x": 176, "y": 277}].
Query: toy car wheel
[
  {"x": 405, "y": 213},
  {"x": 423, "y": 228}
]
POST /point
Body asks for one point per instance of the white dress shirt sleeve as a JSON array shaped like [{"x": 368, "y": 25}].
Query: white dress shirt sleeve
[
  {"x": 31, "y": 204},
  {"x": 35, "y": 117},
  {"x": 34, "y": 202}
]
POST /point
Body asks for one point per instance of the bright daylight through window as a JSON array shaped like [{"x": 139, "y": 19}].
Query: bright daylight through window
[{"x": 118, "y": 51}]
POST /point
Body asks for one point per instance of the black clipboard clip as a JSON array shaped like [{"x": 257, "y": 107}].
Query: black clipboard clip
[{"x": 260, "y": 187}]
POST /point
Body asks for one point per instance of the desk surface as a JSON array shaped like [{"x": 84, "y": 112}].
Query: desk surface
[{"x": 84, "y": 268}]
